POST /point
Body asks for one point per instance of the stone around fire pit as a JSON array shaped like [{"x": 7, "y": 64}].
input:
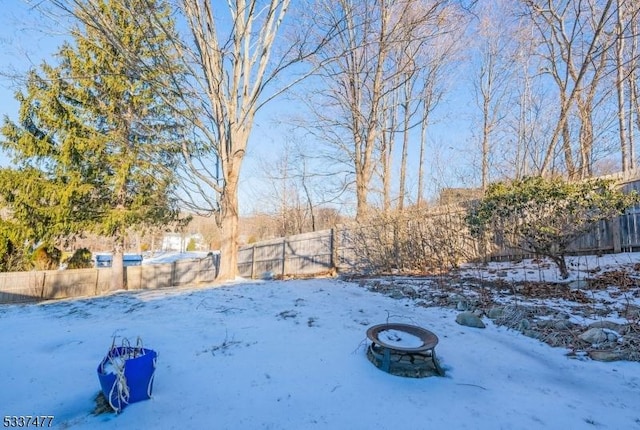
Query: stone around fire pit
[{"x": 403, "y": 350}]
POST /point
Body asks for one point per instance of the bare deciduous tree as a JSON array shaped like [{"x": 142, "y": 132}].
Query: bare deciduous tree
[
  {"x": 233, "y": 58},
  {"x": 493, "y": 79},
  {"x": 626, "y": 66},
  {"x": 370, "y": 79},
  {"x": 573, "y": 43}
]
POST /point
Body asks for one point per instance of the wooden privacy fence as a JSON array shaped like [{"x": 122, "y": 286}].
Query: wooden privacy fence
[
  {"x": 442, "y": 235},
  {"x": 300, "y": 255},
  {"x": 16, "y": 287},
  {"x": 619, "y": 234}
]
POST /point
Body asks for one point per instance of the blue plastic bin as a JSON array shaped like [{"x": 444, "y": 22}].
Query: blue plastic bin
[{"x": 131, "y": 383}]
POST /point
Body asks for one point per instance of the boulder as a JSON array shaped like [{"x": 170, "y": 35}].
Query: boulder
[
  {"x": 609, "y": 325},
  {"x": 561, "y": 324},
  {"x": 579, "y": 284},
  {"x": 594, "y": 336},
  {"x": 555, "y": 324},
  {"x": 608, "y": 355},
  {"x": 470, "y": 320},
  {"x": 533, "y": 334},
  {"x": 409, "y": 291},
  {"x": 268, "y": 276},
  {"x": 397, "y": 294},
  {"x": 544, "y": 323},
  {"x": 496, "y": 312},
  {"x": 455, "y": 299}
]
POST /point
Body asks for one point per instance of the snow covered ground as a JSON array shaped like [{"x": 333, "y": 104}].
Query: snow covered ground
[
  {"x": 292, "y": 355},
  {"x": 171, "y": 256},
  {"x": 543, "y": 270}
]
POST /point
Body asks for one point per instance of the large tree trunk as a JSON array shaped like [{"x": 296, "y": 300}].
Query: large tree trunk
[
  {"x": 362, "y": 206},
  {"x": 228, "y": 248},
  {"x": 229, "y": 211},
  {"x": 117, "y": 265}
]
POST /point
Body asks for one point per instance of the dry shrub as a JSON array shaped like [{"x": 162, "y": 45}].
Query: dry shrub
[
  {"x": 412, "y": 241},
  {"x": 81, "y": 259},
  {"x": 46, "y": 257}
]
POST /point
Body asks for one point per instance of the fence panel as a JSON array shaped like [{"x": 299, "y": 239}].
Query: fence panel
[
  {"x": 18, "y": 287},
  {"x": 260, "y": 258},
  {"x": 268, "y": 257},
  {"x": 208, "y": 268},
  {"x": 302, "y": 254},
  {"x": 185, "y": 272},
  {"x": 245, "y": 261},
  {"x": 69, "y": 283},
  {"x": 134, "y": 278},
  {"x": 308, "y": 254},
  {"x": 630, "y": 222},
  {"x": 154, "y": 276},
  {"x": 598, "y": 239},
  {"x": 346, "y": 256}
]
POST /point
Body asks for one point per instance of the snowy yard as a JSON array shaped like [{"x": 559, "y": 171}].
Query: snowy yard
[{"x": 291, "y": 355}]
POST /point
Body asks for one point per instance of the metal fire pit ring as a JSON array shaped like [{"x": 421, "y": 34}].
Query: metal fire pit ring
[{"x": 417, "y": 362}]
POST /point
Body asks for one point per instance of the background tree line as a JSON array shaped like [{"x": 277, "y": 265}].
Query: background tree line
[{"x": 551, "y": 88}]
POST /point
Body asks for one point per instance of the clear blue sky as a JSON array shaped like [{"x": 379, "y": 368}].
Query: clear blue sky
[{"x": 27, "y": 38}]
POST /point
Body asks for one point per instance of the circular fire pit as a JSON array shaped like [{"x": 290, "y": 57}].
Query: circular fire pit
[{"x": 403, "y": 350}]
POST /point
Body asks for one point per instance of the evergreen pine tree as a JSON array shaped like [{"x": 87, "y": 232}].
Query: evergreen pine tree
[{"x": 95, "y": 145}]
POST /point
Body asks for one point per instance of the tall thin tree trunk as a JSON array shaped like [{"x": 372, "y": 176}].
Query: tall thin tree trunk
[
  {"x": 486, "y": 130},
  {"x": 405, "y": 144},
  {"x": 566, "y": 149},
  {"x": 388, "y": 144},
  {"x": 620, "y": 84},
  {"x": 423, "y": 144},
  {"x": 586, "y": 145},
  {"x": 568, "y": 99},
  {"x": 524, "y": 150},
  {"x": 634, "y": 94}
]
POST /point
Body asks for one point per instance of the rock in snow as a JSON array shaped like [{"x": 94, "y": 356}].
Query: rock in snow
[
  {"x": 594, "y": 335},
  {"x": 470, "y": 320}
]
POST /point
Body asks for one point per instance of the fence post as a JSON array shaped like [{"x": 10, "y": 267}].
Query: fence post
[
  {"x": 615, "y": 232},
  {"x": 44, "y": 282},
  {"x": 253, "y": 262},
  {"x": 173, "y": 274},
  {"x": 96, "y": 292},
  {"x": 284, "y": 256},
  {"x": 333, "y": 249}
]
